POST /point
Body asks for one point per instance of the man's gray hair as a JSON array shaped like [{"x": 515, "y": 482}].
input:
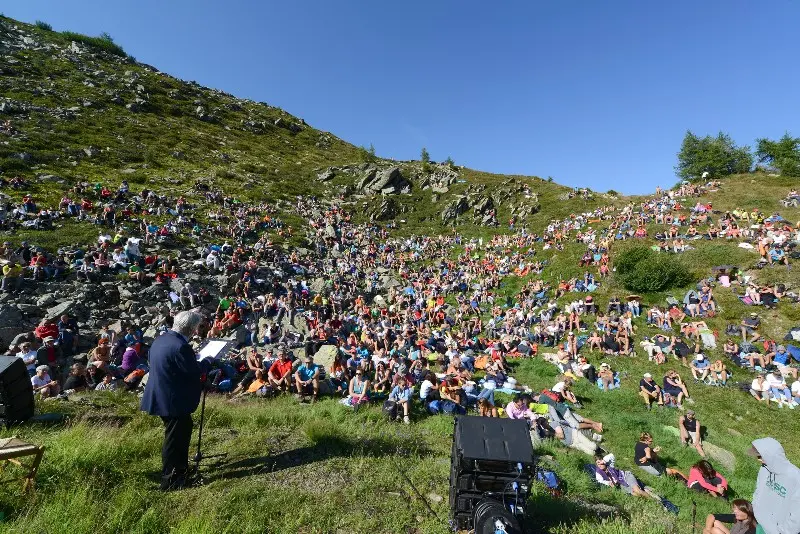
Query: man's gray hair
[{"x": 186, "y": 323}]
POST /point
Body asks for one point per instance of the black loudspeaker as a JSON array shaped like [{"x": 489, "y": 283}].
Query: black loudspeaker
[
  {"x": 490, "y": 475},
  {"x": 16, "y": 391}
]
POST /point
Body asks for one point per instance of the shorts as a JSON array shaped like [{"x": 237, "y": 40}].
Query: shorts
[
  {"x": 654, "y": 469},
  {"x": 725, "y": 518},
  {"x": 631, "y": 481}
]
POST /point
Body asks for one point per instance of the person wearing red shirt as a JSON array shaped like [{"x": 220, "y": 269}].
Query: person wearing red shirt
[
  {"x": 280, "y": 372},
  {"x": 46, "y": 329}
]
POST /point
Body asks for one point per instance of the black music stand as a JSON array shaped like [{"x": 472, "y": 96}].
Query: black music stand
[{"x": 214, "y": 349}]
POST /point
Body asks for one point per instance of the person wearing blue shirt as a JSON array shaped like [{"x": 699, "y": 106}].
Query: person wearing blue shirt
[
  {"x": 306, "y": 379},
  {"x": 701, "y": 366},
  {"x": 781, "y": 358},
  {"x": 401, "y": 394}
]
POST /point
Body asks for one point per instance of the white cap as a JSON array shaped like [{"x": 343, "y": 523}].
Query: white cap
[{"x": 648, "y": 375}]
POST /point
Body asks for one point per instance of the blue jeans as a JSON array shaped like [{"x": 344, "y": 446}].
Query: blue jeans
[{"x": 778, "y": 393}]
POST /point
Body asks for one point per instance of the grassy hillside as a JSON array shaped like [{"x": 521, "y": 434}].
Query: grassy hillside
[
  {"x": 298, "y": 468},
  {"x": 84, "y": 114}
]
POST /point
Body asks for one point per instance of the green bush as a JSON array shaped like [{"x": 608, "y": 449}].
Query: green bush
[
  {"x": 43, "y": 26},
  {"x": 104, "y": 43},
  {"x": 627, "y": 260},
  {"x": 657, "y": 272}
]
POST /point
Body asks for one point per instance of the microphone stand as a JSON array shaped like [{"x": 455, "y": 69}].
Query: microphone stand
[{"x": 199, "y": 456}]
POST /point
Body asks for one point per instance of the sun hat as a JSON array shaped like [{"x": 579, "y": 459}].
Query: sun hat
[
  {"x": 648, "y": 375},
  {"x": 699, "y": 357},
  {"x": 48, "y": 338},
  {"x": 604, "y": 364}
]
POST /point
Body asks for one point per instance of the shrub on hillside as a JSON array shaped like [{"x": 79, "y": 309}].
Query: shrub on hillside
[
  {"x": 43, "y": 26},
  {"x": 627, "y": 260},
  {"x": 656, "y": 272},
  {"x": 104, "y": 43}
]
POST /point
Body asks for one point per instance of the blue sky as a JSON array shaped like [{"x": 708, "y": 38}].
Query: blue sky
[{"x": 595, "y": 93}]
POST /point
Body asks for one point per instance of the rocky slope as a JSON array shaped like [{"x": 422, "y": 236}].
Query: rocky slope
[{"x": 82, "y": 113}]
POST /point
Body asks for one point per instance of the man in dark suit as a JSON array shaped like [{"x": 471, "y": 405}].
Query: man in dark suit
[{"x": 173, "y": 393}]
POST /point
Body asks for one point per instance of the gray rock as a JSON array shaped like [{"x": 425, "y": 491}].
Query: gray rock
[
  {"x": 326, "y": 175},
  {"x": 389, "y": 181},
  {"x": 326, "y": 355},
  {"x": 387, "y": 209},
  {"x": 455, "y": 208},
  {"x": 721, "y": 456},
  {"x": 57, "y": 311},
  {"x": 45, "y": 300}
]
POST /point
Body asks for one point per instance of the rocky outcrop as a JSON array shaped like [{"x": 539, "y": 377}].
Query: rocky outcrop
[{"x": 386, "y": 182}]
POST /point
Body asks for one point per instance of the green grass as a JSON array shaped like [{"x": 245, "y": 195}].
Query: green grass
[{"x": 324, "y": 469}]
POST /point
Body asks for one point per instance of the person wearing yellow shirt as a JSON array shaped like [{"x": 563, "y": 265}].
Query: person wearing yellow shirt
[{"x": 12, "y": 277}]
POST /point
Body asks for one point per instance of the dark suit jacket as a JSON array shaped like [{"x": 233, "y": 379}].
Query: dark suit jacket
[{"x": 173, "y": 386}]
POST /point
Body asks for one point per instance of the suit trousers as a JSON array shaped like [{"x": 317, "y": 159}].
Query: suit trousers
[{"x": 175, "y": 451}]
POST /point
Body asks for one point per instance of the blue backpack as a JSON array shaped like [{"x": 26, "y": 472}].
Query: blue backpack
[
  {"x": 451, "y": 408},
  {"x": 434, "y": 407},
  {"x": 550, "y": 480}
]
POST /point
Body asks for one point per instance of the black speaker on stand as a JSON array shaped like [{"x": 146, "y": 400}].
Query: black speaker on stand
[
  {"x": 16, "y": 391},
  {"x": 490, "y": 475}
]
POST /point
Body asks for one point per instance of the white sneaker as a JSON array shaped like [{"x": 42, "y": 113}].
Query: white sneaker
[{"x": 406, "y": 420}]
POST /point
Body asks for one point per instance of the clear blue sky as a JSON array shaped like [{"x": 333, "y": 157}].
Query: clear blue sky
[{"x": 596, "y": 93}]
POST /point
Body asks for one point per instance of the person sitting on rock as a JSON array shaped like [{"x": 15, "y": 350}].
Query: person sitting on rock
[
  {"x": 689, "y": 429},
  {"x": 50, "y": 354},
  {"x": 307, "y": 379},
  {"x": 280, "y": 372},
  {"x": 42, "y": 384}
]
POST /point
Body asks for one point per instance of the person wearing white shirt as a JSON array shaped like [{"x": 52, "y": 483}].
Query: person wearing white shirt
[
  {"x": 28, "y": 356},
  {"x": 796, "y": 391},
  {"x": 43, "y": 384},
  {"x": 779, "y": 390},
  {"x": 760, "y": 388}
]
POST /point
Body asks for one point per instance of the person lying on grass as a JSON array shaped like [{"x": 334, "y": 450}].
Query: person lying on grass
[{"x": 610, "y": 476}]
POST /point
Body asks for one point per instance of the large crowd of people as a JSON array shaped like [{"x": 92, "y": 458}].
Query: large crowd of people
[{"x": 418, "y": 324}]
